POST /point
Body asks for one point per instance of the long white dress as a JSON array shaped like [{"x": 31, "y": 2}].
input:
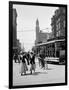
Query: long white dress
[{"x": 23, "y": 67}]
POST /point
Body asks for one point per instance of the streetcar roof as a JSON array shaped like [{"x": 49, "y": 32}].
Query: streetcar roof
[{"x": 48, "y": 42}]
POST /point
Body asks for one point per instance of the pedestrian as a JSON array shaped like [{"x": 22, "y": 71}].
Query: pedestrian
[
  {"x": 32, "y": 62},
  {"x": 23, "y": 65},
  {"x": 39, "y": 59},
  {"x": 42, "y": 60},
  {"x": 19, "y": 58},
  {"x": 15, "y": 57},
  {"x": 28, "y": 58},
  {"x": 46, "y": 65}
]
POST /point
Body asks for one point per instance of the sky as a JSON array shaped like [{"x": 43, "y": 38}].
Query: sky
[{"x": 26, "y": 22}]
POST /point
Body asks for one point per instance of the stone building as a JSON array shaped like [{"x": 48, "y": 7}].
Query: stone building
[
  {"x": 14, "y": 28},
  {"x": 41, "y": 37},
  {"x": 58, "y": 23},
  {"x": 18, "y": 45},
  {"x": 58, "y": 29}
]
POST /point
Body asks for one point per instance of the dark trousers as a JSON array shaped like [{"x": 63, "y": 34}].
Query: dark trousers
[{"x": 43, "y": 63}]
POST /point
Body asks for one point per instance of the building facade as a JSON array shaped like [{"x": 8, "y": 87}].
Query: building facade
[
  {"x": 58, "y": 29},
  {"x": 18, "y": 45},
  {"x": 41, "y": 37},
  {"x": 58, "y": 23},
  {"x": 14, "y": 29}
]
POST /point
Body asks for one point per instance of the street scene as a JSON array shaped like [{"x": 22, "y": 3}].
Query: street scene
[
  {"x": 38, "y": 45},
  {"x": 54, "y": 74}
]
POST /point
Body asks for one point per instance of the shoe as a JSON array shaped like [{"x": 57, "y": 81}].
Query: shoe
[{"x": 21, "y": 74}]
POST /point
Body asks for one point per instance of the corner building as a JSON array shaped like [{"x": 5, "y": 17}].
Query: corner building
[
  {"x": 58, "y": 23},
  {"x": 58, "y": 30}
]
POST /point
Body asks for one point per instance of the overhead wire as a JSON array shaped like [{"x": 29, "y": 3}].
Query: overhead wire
[{"x": 33, "y": 30}]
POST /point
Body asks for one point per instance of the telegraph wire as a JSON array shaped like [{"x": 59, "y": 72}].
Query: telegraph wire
[{"x": 33, "y": 30}]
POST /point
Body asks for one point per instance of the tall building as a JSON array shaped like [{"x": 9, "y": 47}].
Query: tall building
[
  {"x": 37, "y": 32},
  {"x": 58, "y": 23},
  {"x": 41, "y": 37},
  {"x": 14, "y": 29}
]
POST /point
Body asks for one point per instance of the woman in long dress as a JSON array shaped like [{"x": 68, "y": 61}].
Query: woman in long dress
[
  {"x": 23, "y": 65},
  {"x": 32, "y": 62}
]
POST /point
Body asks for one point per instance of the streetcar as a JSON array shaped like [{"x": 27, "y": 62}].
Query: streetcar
[{"x": 53, "y": 50}]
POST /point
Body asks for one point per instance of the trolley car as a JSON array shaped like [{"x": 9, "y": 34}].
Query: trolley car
[{"x": 54, "y": 50}]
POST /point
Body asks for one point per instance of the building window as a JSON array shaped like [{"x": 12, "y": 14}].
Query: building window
[
  {"x": 58, "y": 24},
  {"x": 57, "y": 27},
  {"x": 64, "y": 23},
  {"x": 58, "y": 33}
]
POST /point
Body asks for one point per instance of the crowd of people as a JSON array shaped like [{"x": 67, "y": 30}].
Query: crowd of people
[{"x": 28, "y": 58}]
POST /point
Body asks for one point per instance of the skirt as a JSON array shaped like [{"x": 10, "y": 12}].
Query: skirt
[{"x": 24, "y": 68}]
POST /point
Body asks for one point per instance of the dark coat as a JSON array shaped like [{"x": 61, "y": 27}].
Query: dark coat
[
  {"x": 32, "y": 60},
  {"x": 15, "y": 56},
  {"x": 28, "y": 58},
  {"x": 23, "y": 59},
  {"x": 42, "y": 59}
]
